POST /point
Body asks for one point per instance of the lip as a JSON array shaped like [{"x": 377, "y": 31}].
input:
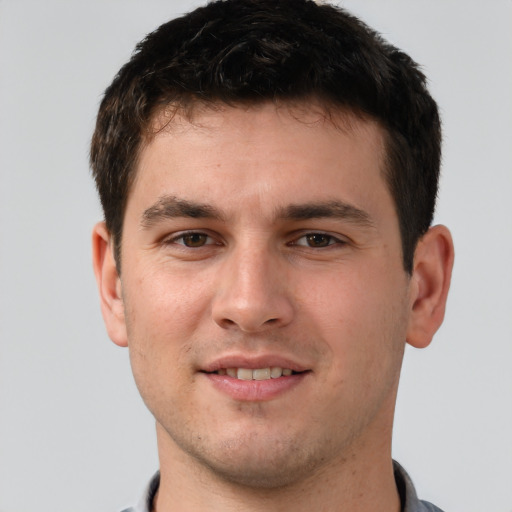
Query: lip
[{"x": 254, "y": 390}]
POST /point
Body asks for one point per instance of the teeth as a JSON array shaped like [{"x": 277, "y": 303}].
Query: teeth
[
  {"x": 244, "y": 374},
  {"x": 273, "y": 372},
  {"x": 261, "y": 374},
  {"x": 276, "y": 372}
]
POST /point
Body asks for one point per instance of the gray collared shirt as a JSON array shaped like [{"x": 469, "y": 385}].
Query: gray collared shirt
[{"x": 408, "y": 497}]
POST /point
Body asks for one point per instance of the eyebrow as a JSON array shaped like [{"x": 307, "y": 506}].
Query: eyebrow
[
  {"x": 329, "y": 209},
  {"x": 170, "y": 207}
]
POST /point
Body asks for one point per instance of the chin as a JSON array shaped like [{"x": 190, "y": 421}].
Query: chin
[
  {"x": 262, "y": 465},
  {"x": 271, "y": 475}
]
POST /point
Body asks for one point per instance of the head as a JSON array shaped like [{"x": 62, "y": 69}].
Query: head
[
  {"x": 268, "y": 171},
  {"x": 248, "y": 52}
]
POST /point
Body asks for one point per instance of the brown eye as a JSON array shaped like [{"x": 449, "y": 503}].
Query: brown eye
[
  {"x": 194, "y": 239},
  {"x": 318, "y": 240}
]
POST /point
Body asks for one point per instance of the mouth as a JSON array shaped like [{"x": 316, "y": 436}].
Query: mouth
[
  {"x": 255, "y": 379},
  {"x": 271, "y": 372}
]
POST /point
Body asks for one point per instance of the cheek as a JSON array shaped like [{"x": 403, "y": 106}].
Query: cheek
[
  {"x": 164, "y": 304},
  {"x": 362, "y": 319},
  {"x": 159, "y": 346},
  {"x": 162, "y": 315}
]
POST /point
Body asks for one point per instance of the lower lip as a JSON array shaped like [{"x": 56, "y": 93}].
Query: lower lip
[{"x": 255, "y": 390}]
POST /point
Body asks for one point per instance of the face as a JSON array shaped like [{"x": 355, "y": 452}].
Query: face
[{"x": 265, "y": 300}]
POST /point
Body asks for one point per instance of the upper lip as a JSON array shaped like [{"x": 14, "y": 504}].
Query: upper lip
[{"x": 253, "y": 362}]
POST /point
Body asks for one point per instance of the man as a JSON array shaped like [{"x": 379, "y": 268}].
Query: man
[{"x": 268, "y": 172}]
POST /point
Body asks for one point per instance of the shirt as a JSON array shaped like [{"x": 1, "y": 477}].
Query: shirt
[{"x": 408, "y": 497}]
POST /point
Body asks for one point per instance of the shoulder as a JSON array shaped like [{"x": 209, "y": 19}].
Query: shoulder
[
  {"x": 425, "y": 506},
  {"x": 146, "y": 502},
  {"x": 408, "y": 496}
]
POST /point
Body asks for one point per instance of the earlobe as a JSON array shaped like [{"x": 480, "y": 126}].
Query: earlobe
[
  {"x": 109, "y": 285},
  {"x": 433, "y": 262}
]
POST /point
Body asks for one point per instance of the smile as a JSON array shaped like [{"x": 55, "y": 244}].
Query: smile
[
  {"x": 255, "y": 379},
  {"x": 274, "y": 372}
]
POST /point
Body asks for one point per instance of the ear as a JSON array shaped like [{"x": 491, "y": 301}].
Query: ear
[
  {"x": 109, "y": 284},
  {"x": 433, "y": 262}
]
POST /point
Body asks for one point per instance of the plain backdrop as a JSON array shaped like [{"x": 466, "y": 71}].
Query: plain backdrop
[{"x": 74, "y": 434}]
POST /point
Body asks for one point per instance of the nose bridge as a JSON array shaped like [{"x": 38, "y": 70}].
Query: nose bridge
[{"x": 252, "y": 292}]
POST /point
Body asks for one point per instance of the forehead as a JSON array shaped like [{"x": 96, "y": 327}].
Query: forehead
[{"x": 289, "y": 148}]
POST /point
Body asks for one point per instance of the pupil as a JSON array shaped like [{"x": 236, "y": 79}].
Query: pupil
[{"x": 318, "y": 240}]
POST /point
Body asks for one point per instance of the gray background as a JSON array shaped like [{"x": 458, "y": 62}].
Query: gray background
[{"x": 74, "y": 435}]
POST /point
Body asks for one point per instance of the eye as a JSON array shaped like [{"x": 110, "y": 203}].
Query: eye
[
  {"x": 317, "y": 240},
  {"x": 192, "y": 239}
]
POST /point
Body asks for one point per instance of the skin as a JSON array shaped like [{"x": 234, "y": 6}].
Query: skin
[{"x": 253, "y": 276}]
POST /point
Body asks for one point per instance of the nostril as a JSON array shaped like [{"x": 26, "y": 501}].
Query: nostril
[{"x": 226, "y": 322}]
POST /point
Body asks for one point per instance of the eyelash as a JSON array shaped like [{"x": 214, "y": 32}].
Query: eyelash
[
  {"x": 329, "y": 240},
  {"x": 180, "y": 239}
]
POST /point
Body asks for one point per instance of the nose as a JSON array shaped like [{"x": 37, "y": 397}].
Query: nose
[{"x": 254, "y": 293}]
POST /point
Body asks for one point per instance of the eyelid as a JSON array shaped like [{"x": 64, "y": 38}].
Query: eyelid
[
  {"x": 180, "y": 235},
  {"x": 335, "y": 239}
]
